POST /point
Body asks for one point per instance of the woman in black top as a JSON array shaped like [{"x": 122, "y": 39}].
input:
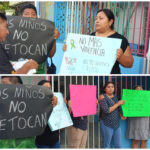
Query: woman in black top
[{"x": 104, "y": 24}]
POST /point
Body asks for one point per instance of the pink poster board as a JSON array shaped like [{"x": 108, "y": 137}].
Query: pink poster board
[{"x": 83, "y": 99}]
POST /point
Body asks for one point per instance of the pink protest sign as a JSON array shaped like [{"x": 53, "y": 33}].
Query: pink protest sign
[{"x": 83, "y": 99}]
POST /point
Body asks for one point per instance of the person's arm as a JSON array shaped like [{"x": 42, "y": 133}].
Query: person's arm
[
  {"x": 126, "y": 58},
  {"x": 53, "y": 50},
  {"x": 68, "y": 103},
  {"x": 31, "y": 64},
  {"x": 69, "y": 106},
  {"x": 64, "y": 47},
  {"x": 121, "y": 113},
  {"x": 105, "y": 107},
  {"x": 101, "y": 96},
  {"x": 115, "y": 106}
]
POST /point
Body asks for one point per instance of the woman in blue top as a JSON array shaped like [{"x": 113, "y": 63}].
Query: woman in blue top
[{"x": 110, "y": 116}]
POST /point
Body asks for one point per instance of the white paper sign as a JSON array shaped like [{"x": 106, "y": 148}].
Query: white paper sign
[
  {"x": 60, "y": 117},
  {"x": 89, "y": 54}
]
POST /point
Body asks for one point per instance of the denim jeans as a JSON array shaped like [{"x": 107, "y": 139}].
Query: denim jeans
[
  {"x": 57, "y": 145},
  {"x": 108, "y": 134}
]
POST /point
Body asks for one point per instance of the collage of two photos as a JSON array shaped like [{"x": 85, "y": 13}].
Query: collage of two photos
[{"x": 74, "y": 74}]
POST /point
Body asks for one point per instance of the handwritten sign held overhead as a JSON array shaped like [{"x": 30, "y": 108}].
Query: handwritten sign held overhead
[
  {"x": 83, "y": 99},
  {"x": 29, "y": 38},
  {"x": 60, "y": 117},
  {"x": 24, "y": 110},
  {"x": 137, "y": 103},
  {"x": 89, "y": 54}
]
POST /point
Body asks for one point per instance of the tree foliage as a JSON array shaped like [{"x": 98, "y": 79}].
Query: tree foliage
[{"x": 4, "y": 6}]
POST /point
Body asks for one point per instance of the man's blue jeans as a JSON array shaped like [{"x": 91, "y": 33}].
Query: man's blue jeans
[{"x": 108, "y": 134}]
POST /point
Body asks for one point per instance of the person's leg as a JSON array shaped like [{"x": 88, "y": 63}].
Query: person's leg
[
  {"x": 143, "y": 143},
  {"x": 83, "y": 139},
  {"x": 117, "y": 138},
  {"x": 68, "y": 134},
  {"x": 135, "y": 143},
  {"x": 42, "y": 146},
  {"x": 106, "y": 135},
  {"x": 75, "y": 138},
  {"x": 102, "y": 133},
  {"x": 57, "y": 145}
]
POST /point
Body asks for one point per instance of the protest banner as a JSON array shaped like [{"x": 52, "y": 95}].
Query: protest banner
[
  {"x": 137, "y": 103},
  {"x": 29, "y": 38},
  {"x": 83, "y": 100},
  {"x": 89, "y": 54},
  {"x": 60, "y": 117},
  {"x": 24, "y": 110}
]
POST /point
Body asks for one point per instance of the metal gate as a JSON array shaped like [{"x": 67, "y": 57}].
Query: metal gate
[{"x": 61, "y": 84}]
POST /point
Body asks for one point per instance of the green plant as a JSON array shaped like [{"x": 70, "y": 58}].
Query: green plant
[{"x": 4, "y": 6}]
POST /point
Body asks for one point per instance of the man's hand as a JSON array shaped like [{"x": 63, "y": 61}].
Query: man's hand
[
  {"x": 31, "y": 64},
  {"x": 54, "y": 101},
  {"x": 56, "y": 34}
]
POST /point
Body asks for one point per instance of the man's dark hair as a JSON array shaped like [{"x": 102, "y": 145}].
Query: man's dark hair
[
  {"x": 28, "y": 6},
  {"x": 16, "y": 79},
  {"x": 43, "y": 82},
  {"x": 2, "y": 77},
  {"x": 3, "y": 16}
]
